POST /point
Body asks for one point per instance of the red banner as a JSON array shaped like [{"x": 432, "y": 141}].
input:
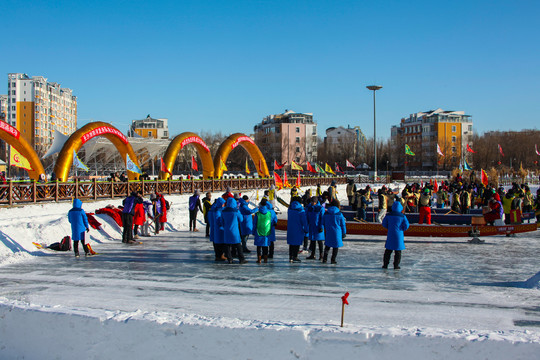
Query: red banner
[
  {"x": 104, "y": 130},
  {"x": 242, "y": 139},
  {"x": 9, "y": 129},
  {"x": 277, "y": 167},
  {"x": 194, "y": 139},
  {"x": 194, "y": 165}
]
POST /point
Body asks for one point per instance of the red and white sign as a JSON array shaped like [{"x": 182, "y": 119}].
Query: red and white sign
[
  {"x": 194, "y": 139},
  {"x": 242, "y": 139},
  {"x": 104, "y": 130},
  {"x": 9, "y": 129}
]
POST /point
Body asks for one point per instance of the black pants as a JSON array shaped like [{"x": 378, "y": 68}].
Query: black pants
[
  {"x": 271, "y": 250},
  {"x": 313, "y": 247},
  {"x": 219, "y": 249},
  {"x": 135, "y": 229},
  {"x": 262, "y": 250},
  {"x": 127, "y": 221},
  {"x": 193, "y": 219},
  {"x": 207, "y": 225},
  {"x": 334, "y": 253},
  {"x": 305, "y": 244},
  {"x": 239, "y": 252},
  {"x": 388, "y": 254},
  {"x": 76, "y": 246},
  {"x": 293, "y": 252},
  {"x": 244, "y": 242}
]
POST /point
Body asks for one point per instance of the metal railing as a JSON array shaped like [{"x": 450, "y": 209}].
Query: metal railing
[{"x": 33, "y": 192}]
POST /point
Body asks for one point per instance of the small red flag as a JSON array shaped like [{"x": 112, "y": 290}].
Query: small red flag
[
  {"x": 348, "y": 164},
  {"x": 194, "y": 163},
  {"x": 338, "y": 169},
  {"x": 469, "y": 149},
  {"x": 277, "y": 166},
  {"x": 310, "y": 168},
  {"x": 298, "y": 183},
  {"x": 436, "y": 186},
  {"x": 500, "y": 149},
  {"x": 278, "y": 181},
  {"x": 163, "y": 168},
  {"x": 344, "y": 298},
  {"x": 485, "y": 180}
]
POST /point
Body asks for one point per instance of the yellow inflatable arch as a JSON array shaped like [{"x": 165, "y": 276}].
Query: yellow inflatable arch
[
  {"x": 247, "y": 143},
  {"x": 13, "y": 137},
  {"x": 178, "y": 144},
  {"x": 87, "y": 132}
]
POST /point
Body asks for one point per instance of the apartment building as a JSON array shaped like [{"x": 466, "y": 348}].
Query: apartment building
[
  {"x": 150, "y": 128},
  {"x": 37, "y": 107}
]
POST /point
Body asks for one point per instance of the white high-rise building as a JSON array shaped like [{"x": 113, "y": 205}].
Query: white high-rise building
[{"x": 37, "y": 107}]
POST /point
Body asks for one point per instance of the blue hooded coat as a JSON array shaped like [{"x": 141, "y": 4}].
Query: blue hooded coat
[
  {"x": 334, "y": 225},
  {"x": 396, "y": 223},
  {"x": 230, "y": 220},
  {"x": 246, "y": 228},
  {"x": 79, "y": 221},
  {"x": 272, "y": 235},
  {"x": 264, "y": 240},
  {"x": 314, "y": 217},
  {"x": 216, "y": 230},
  {"x": 297, "y": 226}
]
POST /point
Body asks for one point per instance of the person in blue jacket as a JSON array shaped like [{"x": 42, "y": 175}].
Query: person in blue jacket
[
  {"x": 396, "y": 223},
  {"x": 315, "y": 213},
  {"x": 264, "y": 222},
  {"x": 230, "y": 220},
  {"x": 216, "y": 231},
  {"x": 297, "y": 228},
  {"x": 79, "y": 224},
  {"x": 246, "y": 228},
  {"x": 334, "y": 226},
  {"x": 272, "y": 235}
]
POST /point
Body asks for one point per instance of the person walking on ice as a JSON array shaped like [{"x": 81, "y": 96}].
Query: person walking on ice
[
  {"x": 396, "y": 223},
  {"x": 334, "y": 225},
  {"x": 265, "y": 220},
  {"x": 79, "y": 224}
]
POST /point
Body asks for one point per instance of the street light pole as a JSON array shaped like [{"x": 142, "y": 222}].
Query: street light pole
[{"x": 374, "y": 88}]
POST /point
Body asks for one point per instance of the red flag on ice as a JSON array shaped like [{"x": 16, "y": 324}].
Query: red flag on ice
[
  {"x": 338, "y": 169},
  {"x": 310, "y": 168},
  {"x": 163, "y": 168},
  {"x": 500, "y": 149},
  {"x": 485, "y": 180},
  {"x": 278, "y": 181},
  {"x": 277, "y": 167},
  {"x": 435, "y": 186},
  {"x": 344, "y": 298},
  {"x": 348, "y": 164},
  {"x": 194, "y": 163},
  {"x": 298, "y": 183},
  {"x": 469, "y": 149}
]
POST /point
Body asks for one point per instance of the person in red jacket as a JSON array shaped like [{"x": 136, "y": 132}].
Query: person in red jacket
[
  {"x": 163, "y": 218},
  {"x": 138, "y": 218}
]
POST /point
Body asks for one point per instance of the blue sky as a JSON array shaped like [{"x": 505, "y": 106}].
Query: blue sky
[{"x": 217, "y": 65}]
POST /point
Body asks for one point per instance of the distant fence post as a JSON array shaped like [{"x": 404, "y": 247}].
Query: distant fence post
[
  {"x": 10, "y": 192},
  {"x": 34, "y": 190},
  {"x": 56, "y": 190},
  {"x": 95, "y": 189},
  {"x": 76, "y": 187},
  {"x": 112, "y": 188}
]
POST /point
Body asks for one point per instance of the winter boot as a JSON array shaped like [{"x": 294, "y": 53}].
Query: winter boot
[
  {"x": 265, "y": 257},
  {"x": 311, "y": 257},
  {"x": 397, "y": 259},
  {"x": 259, "y": 259},
  {"x": 334, "y": 256},
  {"x": 325, "y": 256},
  {"x": 386, "y": 258}
]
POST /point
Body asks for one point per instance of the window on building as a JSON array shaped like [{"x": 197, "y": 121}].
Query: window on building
[
  {"x": 13, "y": 85},
  {"x": 298, "y": 159},
  {"x": 13, "y": 108},
  {"x": 453, "y": 128},
  {"x": 454, "y": 139},
  {"x": 297, "y": 129},
  {"x": 297, "y": 139},
  {"x": 453, "y": 149},
  {"x": 298, "y": 149},
  {"x": 470, "y": 127},
  {"x": 12, "y": 92},
  {"x": 149, "y": 134}
]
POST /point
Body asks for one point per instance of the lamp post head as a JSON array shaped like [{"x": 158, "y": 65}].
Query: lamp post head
[{"x": 374, "y": 87}]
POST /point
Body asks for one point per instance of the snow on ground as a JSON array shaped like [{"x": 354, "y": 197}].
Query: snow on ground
[{"x": 168, "y": 299}]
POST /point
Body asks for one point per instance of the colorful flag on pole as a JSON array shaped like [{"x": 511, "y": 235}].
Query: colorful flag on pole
[
  {"x": 439, "y": 151},
  {"x": 500, "y": 149},
  {"x": 298, "y": 183},
  {"x": 536, "y": 148},
  {"x": 435, "y": 186},
  {"x": 348, "y": 164},
  {"x": 327, "y": 168},
  {"x": 295, "y": 166},
  {"x": 310, "y": 168},
  {"x": 484, "y": 177},
  {"x": 130, "y": 166},
  {"x": 247, "y": 167},
  {"x": 260, "y": 168},
  {"x": 286, "y": 181},
  {"x": 319, "y": 169},
  {"x": 278, "y": 181},
  {"x": 466, "y": 166},
  {"x": 338, "y": 169},
  {"x": 78, "y": 163},
  {"x": 222, "y": 165},
  {"x": 408, "y": 150},
  {"x": 16, "y": 159},
  {"x": 277, "y": 167},
  {"x": 194, "y": 165},
  {"x": 469, "y": 149},
  {"x": 163, "y": 168}
]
